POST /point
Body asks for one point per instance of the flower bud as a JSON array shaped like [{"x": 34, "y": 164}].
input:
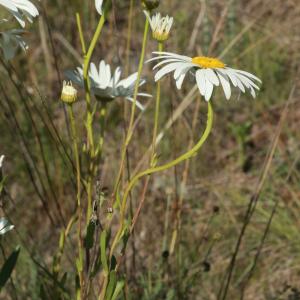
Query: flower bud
[
  {"x": 69, "y": 93},
  {"x": 150, "y": 4}
]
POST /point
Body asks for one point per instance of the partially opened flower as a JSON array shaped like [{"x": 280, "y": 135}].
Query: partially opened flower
[
  {"x": 20, "y": 9},
  {"x": 5, "y": 226},
  {"x": 69, "y": 93},
  {"x": 208, "y": 72},
  {"x": 107, "y": 86},
  {"x": 98, "y": 4},
  {"x": 160, "y": 26}
]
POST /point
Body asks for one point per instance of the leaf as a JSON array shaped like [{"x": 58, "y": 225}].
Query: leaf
[
  {"x": 118, "y": 289},
  {"x": 9, "y": 266},
  {"x": 89, "y": 238},
  {"x": 103, "y": 251},
  {"x": 111, "y": 285}
]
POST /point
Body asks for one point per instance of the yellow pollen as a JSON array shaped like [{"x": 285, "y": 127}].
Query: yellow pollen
[{"x": 208, "y": 62}]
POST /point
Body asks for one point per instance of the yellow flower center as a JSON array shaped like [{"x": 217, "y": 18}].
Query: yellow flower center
[{"x": 208, "y": 62}]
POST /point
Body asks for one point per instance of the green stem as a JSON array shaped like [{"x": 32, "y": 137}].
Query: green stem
[
  {"x": 103, "y": 112},
  {"x": 78, "y": 20},
  {"x": 90, "y": 111},
  {"x": 133, "y": 107},
  {"x": 79, "y": 209},
  {"x": 157, "y": 106},
  {"x": 164, "y": 167}
]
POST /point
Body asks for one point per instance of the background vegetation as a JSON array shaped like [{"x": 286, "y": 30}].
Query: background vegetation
[{"x": 244, "y": 180}]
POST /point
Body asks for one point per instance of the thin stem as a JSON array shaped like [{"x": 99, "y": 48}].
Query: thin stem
[
  {"x": 79, "y": 26},
  {"x": 133, "y": 107},
  {"x": 152, "y": 170},
  {"x": 157, "y": 106},
  {"x": 79, "y": 209}
]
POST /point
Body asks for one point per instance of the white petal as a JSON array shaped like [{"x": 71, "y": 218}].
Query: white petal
[
  {"x": 226, "y": 85},
  {"x": 166, "y": 61},
  {"x": 116, "y": 76},
  {"x": 129, "y": 80},
  {"x": 182, "y": 70},
  {"x": 211, "y": 76},
  {"x": 98, "y": 4},
  {"x": 248, "y": 75},
  {"x": 137, "y": 103},
  {"x": 1, "y": 160},
  {"x": 247, "y": 82},
  {"x": 179, "y": 81},
  {"x": 174, "y": 55},
  {"x": 167, "y": 69},
  {"x": 201, "y": 81},
  {"x": 9, "y": 5},
  {"x": 230, "y": 74},
  {"x": 209, "y": 90},
  {"x": 94, "y": 73}
]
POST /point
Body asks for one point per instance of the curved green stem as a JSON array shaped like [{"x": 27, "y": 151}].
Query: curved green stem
[{"x": 164, "y": 167}]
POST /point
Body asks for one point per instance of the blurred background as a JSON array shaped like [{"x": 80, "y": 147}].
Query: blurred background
[{"x": 243, "y": 188}]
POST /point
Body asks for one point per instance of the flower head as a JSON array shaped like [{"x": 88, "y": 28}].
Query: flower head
[
  {"x": 69, "y": 93},
  {"x": 20, "y": 9},
  {"x": 160, "y": 26},
  {"x": 150, "y": 4},
  {"x": 107, "y": 86},
  {"x": 5, "y": 226},
  {"x": 208, "y": 72},
  {"x": 98, "y": 4}
]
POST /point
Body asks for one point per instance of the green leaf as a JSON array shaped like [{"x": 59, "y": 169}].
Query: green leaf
[
  {"x": 9, "y": 266},
  {"x": 103, "y": 251},
  {"x": 118, "y": 289},
  {"x": 89, "y": 238},
  {"x": 111, "y": 285}
]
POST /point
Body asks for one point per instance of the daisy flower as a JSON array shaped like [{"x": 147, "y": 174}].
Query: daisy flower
[
  {"x": 208, "y": 72},
  {"x": 98, "y": 4},
  {"x": 107, "y": 86},
  {"x": 5, "y": 226},
  {"x": 20, "y": 9},
  {"x": 160, "y": 26}
]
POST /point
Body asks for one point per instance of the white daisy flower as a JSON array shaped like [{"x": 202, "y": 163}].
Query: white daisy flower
[
  {"x": 160, "y": 26},
  {"x": 98, "y": 4},
  {"x": 107, "y": 86},
  {"x": 208, "y": 72},
  {"x": 5, "y": 226},
  {"x": 20, "y": 9}
]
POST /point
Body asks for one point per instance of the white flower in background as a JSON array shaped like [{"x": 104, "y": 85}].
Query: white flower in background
[
  {"x": 1, "y": 161},
  {"x": 160, "y": 26},
  {"x": 20, "y": 9},
  {"x": 5, "y": 226},
  {"x": 98, "y": 4},
  {"x": 10, "y": 41},
  {"x": 107, "y": 86},
  {"x": 208, "y": 72}
]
